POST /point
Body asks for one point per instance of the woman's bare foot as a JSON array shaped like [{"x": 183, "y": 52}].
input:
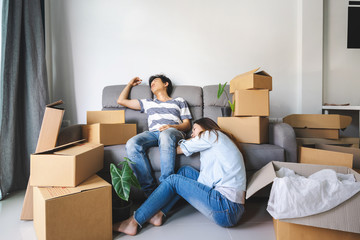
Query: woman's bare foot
[
  {"x": 128, "y": 226},
  {"x": 156, "y": 220}
]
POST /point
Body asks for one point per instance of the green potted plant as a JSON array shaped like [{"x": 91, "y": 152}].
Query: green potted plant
[
  {"x": 122, "y": 179},
  {"x": 226, "y": 111}
]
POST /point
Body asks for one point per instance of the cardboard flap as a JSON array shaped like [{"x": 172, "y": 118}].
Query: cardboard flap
[
  {"x": 249, "y": 72},
  {"x": 54, "y": 104},
  {"x": 345, "y": 121},
  {"x": 260, "y": 179},
  {"x": 59, "y": 148},
  {"x": 263, "y": 73},
  {"x": 77, "y": 149},
  {"x": 91, "y": 183}
]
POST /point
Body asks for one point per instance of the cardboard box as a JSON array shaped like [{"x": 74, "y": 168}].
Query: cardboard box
[
  {"x": 328, "y": 121},
  {"x": 317, "y": 133},
  {"x": 251, "y": 80},
  {"x": 49, "y": 131},
  {"x": 344, "y": 217},
  {"x": 83, "y": 212},
  {"x": 353, "y": 142},
  {"x": 290, "y": 231},
  {"x": 116, "y": 116},
  {"x": 354, "y": 151},
  {"x": 67, "y": 165},
  {"x": 324, "y": 157},
  {"x": 109, "y": 134},
  {"x": 246, "y": 129},
  {"x": 251, "y": 103}
]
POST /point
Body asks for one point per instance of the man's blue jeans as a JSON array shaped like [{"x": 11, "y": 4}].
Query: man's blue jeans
[
  {"x": 136, "y": 149},
  {"x": 205, "y": 199}
]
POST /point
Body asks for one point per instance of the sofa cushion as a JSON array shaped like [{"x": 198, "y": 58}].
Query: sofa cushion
[
  {"x": 258, "y": 155},
  {"x": 116, "y": 153}
]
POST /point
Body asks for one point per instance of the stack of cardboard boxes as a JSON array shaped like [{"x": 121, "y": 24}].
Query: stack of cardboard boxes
[
  {"x": 249, "y": 123},
  {"x": 315, "y": 130},
  {"x": 69, "y": 201},
  {"x": 311, "y": 129},
  {"x": 108, "y": 127}
]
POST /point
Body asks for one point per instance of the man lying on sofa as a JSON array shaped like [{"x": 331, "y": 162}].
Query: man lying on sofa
[{"x": 168, "y": 119}]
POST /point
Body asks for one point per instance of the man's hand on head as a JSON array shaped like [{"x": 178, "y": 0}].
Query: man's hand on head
[{"x": 135, "y": 81}]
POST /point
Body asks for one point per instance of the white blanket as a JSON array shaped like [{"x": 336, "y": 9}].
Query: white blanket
[{"x": 295, "y": 196}]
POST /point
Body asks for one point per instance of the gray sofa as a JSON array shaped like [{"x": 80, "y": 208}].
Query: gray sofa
[{"x": 202, "y": 102}]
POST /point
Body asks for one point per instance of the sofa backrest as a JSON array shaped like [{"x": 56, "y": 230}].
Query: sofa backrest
[
  {"x": 213, "y": 105},
  {"x": 192, "y": 94},
  {"x": 109, "y": 102}
]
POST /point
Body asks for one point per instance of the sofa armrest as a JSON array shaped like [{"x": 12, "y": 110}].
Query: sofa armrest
[
  {"x": 283, "y": 135},
  {"x": 69, "y": 134}
]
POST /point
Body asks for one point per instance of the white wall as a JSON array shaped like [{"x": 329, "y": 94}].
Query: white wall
[
  {"x": 341, "y": 65},
  {"x": 96, "y": 43}
]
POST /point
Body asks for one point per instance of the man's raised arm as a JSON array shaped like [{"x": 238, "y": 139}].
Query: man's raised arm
[{"x": 123, "y": 98}]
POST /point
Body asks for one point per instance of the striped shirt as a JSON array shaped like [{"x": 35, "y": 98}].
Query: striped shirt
[{"x": 171, "y": 112}]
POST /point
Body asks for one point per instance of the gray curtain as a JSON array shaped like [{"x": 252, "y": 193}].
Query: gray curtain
[{"x": 24, "y": 90}]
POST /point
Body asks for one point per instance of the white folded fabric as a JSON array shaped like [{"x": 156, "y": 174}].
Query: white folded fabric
[{"x": 295, "y": 196}]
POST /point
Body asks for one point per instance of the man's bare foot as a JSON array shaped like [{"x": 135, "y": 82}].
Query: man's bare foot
[
  {"x": 156, "y": 220},
  {"x": 128, "y": 226}
]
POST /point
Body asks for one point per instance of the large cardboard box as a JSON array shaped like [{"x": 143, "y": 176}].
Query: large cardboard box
[
  {"x": 344, "y": 217},
  {"x": 354, "y": 151},
  {"x": 67, "y": 165},
  {"x": 109, "y": 133},
  {"x": 83, "y": 212},
  {"x": 251, "y": 103},
  {"x": 324, "y": 157},
  {"x": 115, "y": 116},
  {"x": 290, "y": 231},
  {"x": 328, "y": 121},
  {"x": 246, "y": 129},
  {"x": 251, "y": 80},
  {"x": 49, "y": 131},
  {"x": 317, "y": 133}
]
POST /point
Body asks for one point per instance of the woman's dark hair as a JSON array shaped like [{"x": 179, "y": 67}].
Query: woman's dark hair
[
  {"x": 209, "y": 125},
  {"x": 164, "y": 79}
]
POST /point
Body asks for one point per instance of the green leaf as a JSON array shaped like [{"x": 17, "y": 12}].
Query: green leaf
[
  {"x": 232, "y": 106},
  {"x": 219, "y": 91},
  {"x": 123, "y": 179}
]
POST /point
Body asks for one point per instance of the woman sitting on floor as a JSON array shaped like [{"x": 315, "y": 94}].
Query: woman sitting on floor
[{"x": 217, "y": 191}]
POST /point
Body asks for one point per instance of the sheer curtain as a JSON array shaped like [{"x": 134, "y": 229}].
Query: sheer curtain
[{"x": 24, "y": 91}]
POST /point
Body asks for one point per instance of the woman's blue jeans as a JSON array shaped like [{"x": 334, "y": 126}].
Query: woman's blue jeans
[
  {"x": 205, "y": 199},
  {"x": 136, "y": 149}
]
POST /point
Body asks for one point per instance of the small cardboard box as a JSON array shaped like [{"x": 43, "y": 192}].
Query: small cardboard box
[
  {"x": 324, "y": 157},
  {"x": 109, "y": 134},
  {"x": 344, "y": 217},
  {"x": 67, "y": 165},
  {"x": 246, "y": 129},
  {"x": 251, "y": 103},
  {"x": 49, "y": 131},
  {"x": 317, "y": 133},
  {"x": 116, "y": 116},
  {"x": 251, "y": 80},
  {"x": 354, "y": 151},
  {"x": 83, "y": 212},
  {"x": 328, "y": 121}
]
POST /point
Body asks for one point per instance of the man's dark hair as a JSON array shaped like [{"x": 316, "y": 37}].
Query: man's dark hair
[{"x": 164, "y": 79}]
